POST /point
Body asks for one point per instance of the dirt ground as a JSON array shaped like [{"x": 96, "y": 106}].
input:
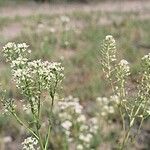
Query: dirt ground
[
  {"x": 24, "y": 10},
  {"x": 33, "y": 8}
]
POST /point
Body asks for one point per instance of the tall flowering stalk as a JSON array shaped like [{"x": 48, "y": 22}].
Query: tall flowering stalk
[
  {"x": 32, "y": 79},
  {"x": 130, "y": 108},
  {"x": 65, "y": 41}
]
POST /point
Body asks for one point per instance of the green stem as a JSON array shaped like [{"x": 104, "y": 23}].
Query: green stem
[
  {"x": 125, "y": 139},
  {"x": 50, "y": 122},
  {"x": 38, "y": 119},
  {"x": 23, "y": 124},
  {"x": 51, "y": 117},
  {"x": 122, "y": 118},
  {"x": 141, "y": 122},
  {"x": 122, "y": 94},
  {"x": 39, "y": 99},
  {"x": 140, "y": 126},
  {"x": 48, "y": 135},
  {"x": 40, "y": 140}
]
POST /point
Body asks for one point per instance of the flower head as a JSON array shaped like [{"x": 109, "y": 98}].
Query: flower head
[{"x": 30, "y": 143}]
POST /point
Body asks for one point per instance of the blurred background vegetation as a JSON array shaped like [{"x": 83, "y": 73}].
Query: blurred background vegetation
[
  {"x": 3, "y": 2},
  {"x": 76, "y": 44}
]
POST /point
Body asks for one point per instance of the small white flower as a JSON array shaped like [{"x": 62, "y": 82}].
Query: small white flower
[
  {"x": 80, "y": 147},
  {"x": 52, "y": 30},
  {"x": 66, "y": 43},
  {"x": 30, "y": 143},
  {"x": 86, "y": 138},
  {"x": 115, "y": 99},
  {"x": 66, "y": 124},
  {"x": 83, "y": 127},
  {"x": 65, "y": 19},
  {"x": 146, "y": 57},
  {"x": 109, "y": 37},
  {"x": 81, "y": 118},
  {"x": 124, "y": 67},
  {"x": 123, "y": 62},
  {"x": 103, "y": 113},
  {"x": 111, "y": 110},
  {"x": 93, "y": 120}
]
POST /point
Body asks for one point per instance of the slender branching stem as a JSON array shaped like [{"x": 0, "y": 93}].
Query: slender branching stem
[
  {"x": 24, "y": 125},
  {"x": 125, "y": 139},
  {"x": 52, "y": 94}
]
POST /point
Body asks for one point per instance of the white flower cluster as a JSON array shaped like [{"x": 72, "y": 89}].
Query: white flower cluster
[
  {"x": 65, "y": 24},
  {"x": 30, "y": 143},
  {"x": 117, "y": 73},
  {"x": 144, "y": 87},
  {"x": 45, "y": 73},
  {"x": 107, "y": 105},
  {"x": 124, "y": 67},
  {"x": 65, "y": 19},
  {"x": 14, "y": 51},
  {"x": 108, "y": 55},
  {"x": 122, "y": 71},
  {"x": 8, "y": 104},
  {"x": 146, "y": 63},
  {"x": 87, "y": 130},
  {"x": 77, "y": 127},
  {"x": 66, "y": 31},
  {"x": 32, "y": 77},
  {"x": 146, "y": 57},
  {"x": 68, "y": 109},
  {"x": 110, "y": 44}
]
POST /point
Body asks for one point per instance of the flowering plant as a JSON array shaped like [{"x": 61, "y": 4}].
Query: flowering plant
[
  {"x": 131, "y": 108},
  {"x": 77, "y": 127},
  {"x": 32, "y": 78}
]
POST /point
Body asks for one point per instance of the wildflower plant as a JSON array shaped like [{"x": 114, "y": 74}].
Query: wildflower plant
[
  {"x": 79, "y": 130},
  {"x": 67, "y": 33},
  {"x": 107, "y": 105},
  {"x": 130, "y": 108},
  {"x": 32, "y": 78},
  {"x": 30, "y": 144}
]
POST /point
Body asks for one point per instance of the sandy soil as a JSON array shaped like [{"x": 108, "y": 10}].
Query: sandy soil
[
  {"x": 33, "y": 8},
  {"x": 13, "y": 30}
]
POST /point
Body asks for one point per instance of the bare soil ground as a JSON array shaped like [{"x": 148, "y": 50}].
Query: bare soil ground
[
  {"x": 109, "y": 6},
  {"x": 13, "y": 30}
]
